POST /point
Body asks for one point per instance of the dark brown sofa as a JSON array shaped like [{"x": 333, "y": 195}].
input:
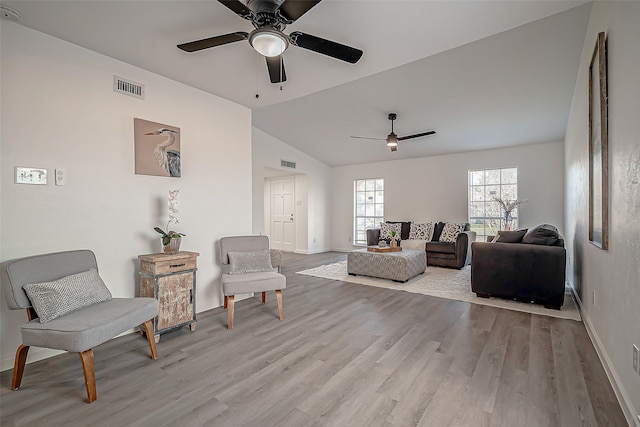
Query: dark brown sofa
[
  {"x": 529, "y": 266},
  {"x": 441, "y": 254}
]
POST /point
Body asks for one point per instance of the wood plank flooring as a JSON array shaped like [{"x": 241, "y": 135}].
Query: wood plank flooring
[{"x": 344, "y": 355}]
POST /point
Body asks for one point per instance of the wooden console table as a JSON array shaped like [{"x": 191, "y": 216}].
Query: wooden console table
[{"x": 171, "y": 279}]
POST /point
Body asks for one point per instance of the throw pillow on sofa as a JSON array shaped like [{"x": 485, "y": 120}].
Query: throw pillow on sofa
[
  {"x": 404, "y": 228},
  {"x": 450, "y": 232},
  {"x": 437, "y": 231},
  {"x": 506, "y": 236},
  {"x": 421, "y": 231},
  {"x": 386, "y": 228},
  {"x": 543, "y": 234}
]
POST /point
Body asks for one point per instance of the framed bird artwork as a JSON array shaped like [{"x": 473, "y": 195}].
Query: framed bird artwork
[{"x": 157, "y": 149}]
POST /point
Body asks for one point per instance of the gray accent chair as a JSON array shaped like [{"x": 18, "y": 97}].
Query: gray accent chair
[
  {"x": 276, "y": 260},
  {"x": 261, "y": 281},
  {"x": 79, "y": 331}
]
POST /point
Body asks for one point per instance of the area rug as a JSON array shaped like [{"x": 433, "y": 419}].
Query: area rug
[{"x": 444, "y": 283}]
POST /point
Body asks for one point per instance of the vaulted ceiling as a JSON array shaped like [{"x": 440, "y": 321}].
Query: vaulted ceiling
[{"x": 483, "y": 74}]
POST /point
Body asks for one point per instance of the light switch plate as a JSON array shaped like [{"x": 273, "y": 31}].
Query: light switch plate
[
  {"x": 59, "y": 177},
  {"x": 27, "y": 175}
]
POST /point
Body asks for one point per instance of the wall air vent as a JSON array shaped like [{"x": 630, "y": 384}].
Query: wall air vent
[
  {"x": 287, "y": 164},
  {"x": 128, "y": 87}
]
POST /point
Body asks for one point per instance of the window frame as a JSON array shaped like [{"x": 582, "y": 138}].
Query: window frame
[
  {"x": 491, "y": 220},
  {"x": 372, "y": 212}
]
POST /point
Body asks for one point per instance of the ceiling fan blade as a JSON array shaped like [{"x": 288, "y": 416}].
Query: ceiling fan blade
[
  {"x": 294, "y": 9},
  {"x": 238, "y": 8},
  {"x": 394, "y": 148},
  {"x": 213, "y": 41},
  {"x": 366, "y": 137},
  {"x": 275, "y": 65},
  {"x": 325, "y": 47},
  {"x": 417, "y": 135}
]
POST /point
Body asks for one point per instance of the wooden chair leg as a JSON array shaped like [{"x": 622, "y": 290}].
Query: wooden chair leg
[
  {"x": 225, "y": 301},
  {"x": 279, "y": 297},
  {"x": 230, "y": 312},
  {"x": 264, "y": 297},
  {"x": 18, "y": 366},
  {"x": 89, "y": 374},
  {"x": 148, "y": 328}
]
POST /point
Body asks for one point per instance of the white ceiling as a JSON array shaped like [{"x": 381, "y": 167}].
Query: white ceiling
[{"x": 483, "y": 74}]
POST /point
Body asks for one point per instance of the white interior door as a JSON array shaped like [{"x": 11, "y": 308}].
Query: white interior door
[{"x": 282, "y": 214}]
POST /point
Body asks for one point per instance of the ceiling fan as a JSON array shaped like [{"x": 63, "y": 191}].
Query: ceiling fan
[
  {"x": 392, "y": 139},
  {"x": 270, "y": 18}
]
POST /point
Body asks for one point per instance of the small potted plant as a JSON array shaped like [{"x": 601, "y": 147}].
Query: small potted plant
[
  {"x": 171, "y": 239},
  {"x": 394, "y": 243}
]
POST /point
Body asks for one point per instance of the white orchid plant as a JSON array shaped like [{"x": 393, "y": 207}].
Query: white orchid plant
[
  {"x": 508, "y": 207},
  {"x": 174, "y": 200}
]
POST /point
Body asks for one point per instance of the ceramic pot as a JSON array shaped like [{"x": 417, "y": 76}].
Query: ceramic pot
[{"x": 173, "y": 246}]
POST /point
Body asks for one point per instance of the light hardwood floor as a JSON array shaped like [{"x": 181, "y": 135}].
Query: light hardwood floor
[{"x": 344, "y": 355}]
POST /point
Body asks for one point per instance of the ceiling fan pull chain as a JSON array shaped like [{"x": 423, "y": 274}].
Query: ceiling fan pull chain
[
  {"x": 281, "y": 68},
  {"x": 257, "y": 79}
]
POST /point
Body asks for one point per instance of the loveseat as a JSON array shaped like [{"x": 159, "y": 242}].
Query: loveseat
[
  {"x": 526, "y": 265},
  {"x": 455, "y": 253}
]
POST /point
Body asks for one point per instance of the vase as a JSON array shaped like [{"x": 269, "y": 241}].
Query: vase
[
  {"x": 506, "y": 222},
  {"x": 394, "y": 243},
  {"x": 173, "y": 246}
]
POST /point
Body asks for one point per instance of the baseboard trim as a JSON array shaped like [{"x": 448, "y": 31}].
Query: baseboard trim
[
  {"x": 348, "y": 250},
  {"x": 35, "y": 354},
  {"x": 311, "y": 252},
  {"x": 621, "y": 394}
]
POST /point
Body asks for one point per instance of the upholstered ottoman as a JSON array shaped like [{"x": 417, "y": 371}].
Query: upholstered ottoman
[{"x": 397, "y": 266}]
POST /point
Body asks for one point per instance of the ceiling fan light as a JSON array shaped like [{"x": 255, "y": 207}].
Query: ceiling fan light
[
  {"x": 392, "y": 140},
  {"x": 268, "y": 42}
]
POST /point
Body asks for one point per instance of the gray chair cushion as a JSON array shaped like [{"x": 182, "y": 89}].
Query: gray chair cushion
[
  {"x": 53, "y": 299},
  {"x": 233, "y": 284},
  {"x": 250, "y": 261},
  {"x": 86, "y": 328}
]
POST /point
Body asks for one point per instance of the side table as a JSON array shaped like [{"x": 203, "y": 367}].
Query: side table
[{"x": 171, "y": 279}]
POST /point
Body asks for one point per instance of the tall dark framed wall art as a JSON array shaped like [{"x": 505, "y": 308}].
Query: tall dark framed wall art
[
  {"x": 598, "y": 146},
  {"x": 157, "y": 148}
]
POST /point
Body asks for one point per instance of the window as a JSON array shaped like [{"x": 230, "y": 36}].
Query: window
[
  {"x": 369, "y": 207},
  {"x": 485, "y": 214}
]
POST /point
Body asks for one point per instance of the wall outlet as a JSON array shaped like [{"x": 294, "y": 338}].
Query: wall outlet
[{"x": 636, "y": 359}]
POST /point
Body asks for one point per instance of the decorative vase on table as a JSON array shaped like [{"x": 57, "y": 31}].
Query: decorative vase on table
[
  {"x": 173, "y": 246},
  {"x": 394, "y": 243}
]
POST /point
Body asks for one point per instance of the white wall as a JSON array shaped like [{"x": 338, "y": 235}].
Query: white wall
[
  {"x": 313, "y": 190},
  {"x": 613, "y": 275},
  {"x": 436, "y": 188},
  {"x": 59, "y": 111}
]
